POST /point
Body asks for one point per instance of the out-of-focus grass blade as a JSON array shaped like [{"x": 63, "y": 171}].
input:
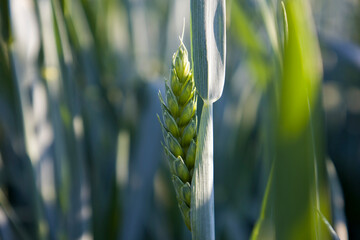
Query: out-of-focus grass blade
[
  {"x": 99, "y": 124},
  {"x": 5, "y": 20},
  {"x": 302, "y": 69},
  {"x": 11, "y": 216},
  {"x": 24, "y": 53},
  {"x": 208, "y": 47},
  {"x": 328, "y": 225},
  {"x": 16, "y": 172},
  {"x": 339, "y": 219},
  {"x": 144, "y": 163},
  {"x": 270, "y": 24},
  {"x": 139, "y": 35},
  {"x": 285, "y": 22},
  {"x": 298, "y": 183},
  {"x": 70, "y": 113},
  {"x": 52, "y": 75},
  {"x": 264, "y": 228},
  {"x": 245, "y": 30},
  {"x": 248, "y": 38}
]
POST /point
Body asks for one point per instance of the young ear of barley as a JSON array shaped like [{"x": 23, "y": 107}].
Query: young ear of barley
[{"x": 179, "y": 128}]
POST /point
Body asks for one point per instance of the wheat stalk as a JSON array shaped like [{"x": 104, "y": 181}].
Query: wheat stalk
[{"x": 180, "y": 128}]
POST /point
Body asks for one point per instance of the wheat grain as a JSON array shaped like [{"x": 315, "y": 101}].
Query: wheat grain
[{"x": 180, "y": 127}]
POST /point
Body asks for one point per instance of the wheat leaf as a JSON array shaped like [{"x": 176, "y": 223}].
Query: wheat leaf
[{"x": 208, "y": 47}]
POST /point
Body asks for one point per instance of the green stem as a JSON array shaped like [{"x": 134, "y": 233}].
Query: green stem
[{"x": 202, "y": 197}]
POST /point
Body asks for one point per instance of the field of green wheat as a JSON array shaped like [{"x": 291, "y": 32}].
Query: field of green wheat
[{"x": 179, "y": 119}]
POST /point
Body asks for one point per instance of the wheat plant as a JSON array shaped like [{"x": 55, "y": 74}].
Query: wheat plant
[
  {"x": 180, "y": 128},
  {"x": 208, "y": 52},
  {"x": 191, "y": 159}
]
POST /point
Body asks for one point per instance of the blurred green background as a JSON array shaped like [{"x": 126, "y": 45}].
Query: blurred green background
[{"x": 80, "y": 153}]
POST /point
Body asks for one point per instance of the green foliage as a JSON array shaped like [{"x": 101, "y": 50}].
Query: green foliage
[
  {"x": 302, "y": 70},
  {"x": 296, "y": 187},
  {"x": 80, "y": 152}
]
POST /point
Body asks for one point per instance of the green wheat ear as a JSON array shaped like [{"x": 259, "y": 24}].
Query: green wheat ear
[{"x": 180, "y": 128}]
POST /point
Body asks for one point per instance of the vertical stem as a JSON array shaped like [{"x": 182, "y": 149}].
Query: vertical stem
[{"x": 202, "y": 197}]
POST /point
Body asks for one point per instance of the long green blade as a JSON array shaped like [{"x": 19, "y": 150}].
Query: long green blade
[
  {"x": 302, "y": 69},
  {"x": 299, "y": 187},
  {"x": 208, "y": 47}
]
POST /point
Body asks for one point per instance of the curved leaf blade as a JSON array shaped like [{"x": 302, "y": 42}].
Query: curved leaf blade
[{"x": 208, "y": 47}]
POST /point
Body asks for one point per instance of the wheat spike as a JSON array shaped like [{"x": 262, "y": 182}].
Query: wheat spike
[{"x": 179, "y": 127}]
